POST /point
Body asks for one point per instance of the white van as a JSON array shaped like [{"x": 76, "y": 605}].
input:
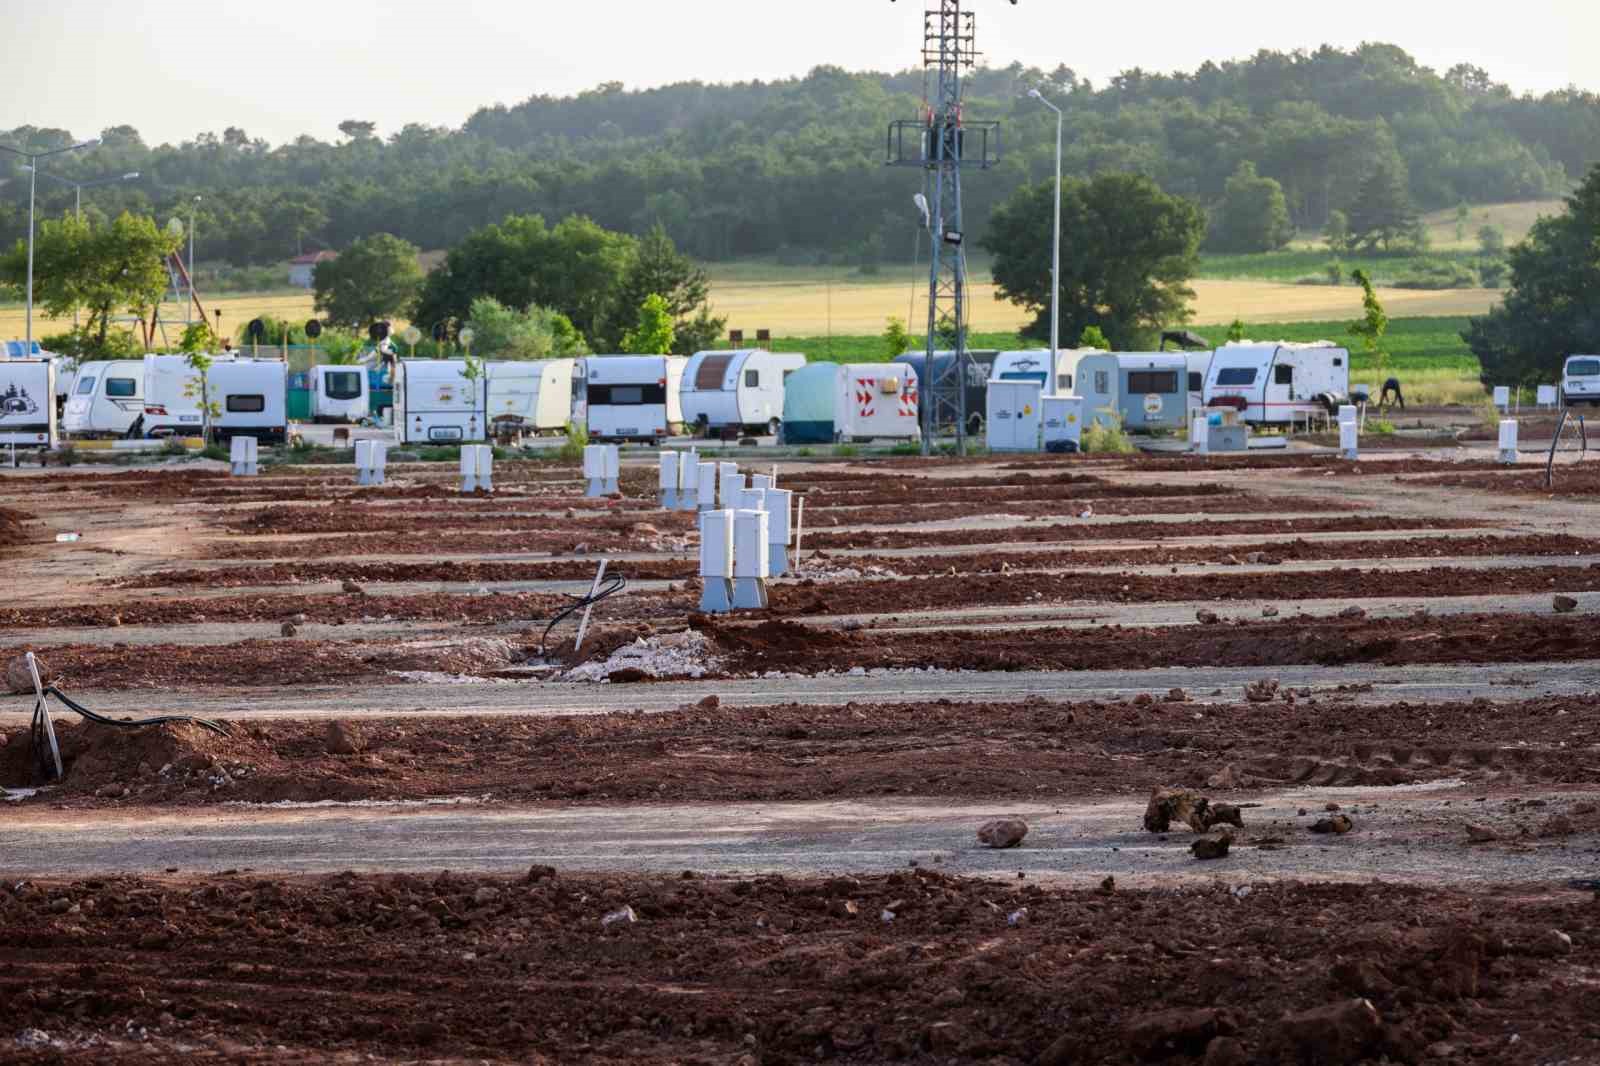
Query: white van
[
  {"x": 27, "y": 403},
  {"x": 1580, "y": 380},
  {"x": 107, "y": 398},
  {"x": 251, "y": 397},
  {"x": 340, "y": 393},
  {"x": 1276, "y": 383},
  {"x": 435, "y": 402},
  {"x": 171, "y": 398},
  {"x": 634, "y": 397},
  {"x": 741, "y": 390},
  {"x": 530, "y": 397}
]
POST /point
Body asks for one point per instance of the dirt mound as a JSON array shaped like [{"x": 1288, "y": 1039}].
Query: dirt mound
[
  {"x": 13, "y": 532},
  {"x": 102, "y": 760},
  {"x": 774, "y": 644}
]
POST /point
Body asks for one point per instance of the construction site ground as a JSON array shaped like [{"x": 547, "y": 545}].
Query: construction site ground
[{"x": 433, "y": 830}]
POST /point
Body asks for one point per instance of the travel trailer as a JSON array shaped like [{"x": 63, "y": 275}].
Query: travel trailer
[
  {"x": 1276, "y": 383},
  {"x": 634, "y": 397},
  {"x": 106, "y": 399},
  {"x": 436, "y": 403},
  {"x": 530, "y": 397},
  {"x": 1142, "y": 390},
  {"x": 171, "y": 398},
  {"x": 251, "y": 397},
  {"x": 340, "y": 393},
  {"x": 738, "y": 390},
  {"x": 979, "y": 370},
  {"x": 27, "y": 403},
  {"x": 825, "y": 402}
]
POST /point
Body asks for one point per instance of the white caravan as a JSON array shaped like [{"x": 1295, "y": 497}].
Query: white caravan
[
  {"x": 740, "y": 390},
  {"x": 530, "y": 397},
  {"x": 1580, "y": 380},
  {"x": 171, "y": 398},
  {"x": 875, "y": 401},
  {"x": 107, "y": 398},
  {"x": 1139, "y": 390},
  {"x": 1276, "y": 383},
  {"x": 1034, "y": 365},
  {"x": 251, "y": 398},
  {"x": 436, "y": 403},
  {"x": 27, "y": 403},
  {"x": 634, "y": 397},
  {"x": 340, "y": 393}
]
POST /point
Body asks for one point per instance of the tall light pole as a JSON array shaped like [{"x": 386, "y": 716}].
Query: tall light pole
[
  {"x": 33, "y": 173},
  {"x": 78, "y": 187},
  {"x": 1055, "y": 262},
  {"x": 188, "y": 307}
]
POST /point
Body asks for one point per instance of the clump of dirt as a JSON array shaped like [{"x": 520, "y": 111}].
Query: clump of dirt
[
  {"x": 104, "y": 761},
  {"x": 13, "y": 531},
  {"x": 1168, "y": 805},
  {"x": 775, "y": 644}
]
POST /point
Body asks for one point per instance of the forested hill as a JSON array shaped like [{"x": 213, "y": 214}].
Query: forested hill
[{"x": 796, "y": 166}]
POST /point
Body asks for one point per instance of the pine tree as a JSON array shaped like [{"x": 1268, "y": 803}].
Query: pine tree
[{"x": 1383, "y": 214}]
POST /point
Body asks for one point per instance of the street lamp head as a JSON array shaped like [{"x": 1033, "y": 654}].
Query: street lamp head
[
  {"x": 131, "y": 176},
  {"x": 91, "y": 143}
]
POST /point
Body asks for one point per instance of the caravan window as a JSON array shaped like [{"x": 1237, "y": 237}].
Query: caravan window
[
  {"x": 626, "y": 395},
  {"x": 1152, "y": 381},
  {"x": 1236, "y": 375},
  {"x": 752, "y": 379},
  {"x": 1283, "y": 374},
  {"x": 1583, "y": 368},
  {"x": 709, "y": 377},
  {"x": 1102, "y": 381},
  {"x": 122, "y": 388},
  {"x": 1197, "y": 381},
  {"x": 247, "y": 404},
  {"x": 85, "y": 386},
  {"x": 342, "y": 385},
  {"x": 1064, "y": 382}
]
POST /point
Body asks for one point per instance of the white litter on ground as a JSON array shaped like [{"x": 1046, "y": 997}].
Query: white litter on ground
[
  {"x": 435, "y": 677},
  {"x": 309, "y": 805},
  {"x": 686, "y": 654},
  {"x": 14, "y": 795}
]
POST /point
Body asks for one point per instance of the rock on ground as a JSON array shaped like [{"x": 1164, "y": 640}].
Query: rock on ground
[
  {"x": 1333, "y": 1034},
  {"x": 342, "y": 738},
  {"x": 1002, "y": 832},
  {"x": 1168, "y": 805},
  {"x": 19, "y": 682},
  {"x": 1182, "y": 1030},
  {"x": 1564, "y": 604},
  {"x": 1212, "y": 847}
]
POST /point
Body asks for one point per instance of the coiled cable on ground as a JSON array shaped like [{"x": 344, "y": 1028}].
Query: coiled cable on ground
[
  {"x": 46, "y": 759},
  {"x": 610, "y": 585}
]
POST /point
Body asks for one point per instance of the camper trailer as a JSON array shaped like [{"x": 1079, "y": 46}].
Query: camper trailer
[
  {"x": 740, "y": 390},
  {"x": 340, "y": 393},
  {"x": 436, "y": 403},
  {"x": 826, "y": 402},
  {"x": 945, "y": 414},
  {"x": 634, "y": 397},
  {"x": 1276, "y": 383},
  {"x": 171, "y": 398},
  {"x": 1199, "y": 365},
  {"x": 107, "y": 398},
  {"x": 1144, "y": 390},
  {"x": 1034, "y": 365},
  {"x": 251, "y": 398},
  {"x": 527, "y": 398},
  {"x": 27, "y": 403},
  {"x": 1580, "y": 380}
]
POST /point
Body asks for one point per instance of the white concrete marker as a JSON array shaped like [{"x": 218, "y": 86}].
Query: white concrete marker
[{"x": 728, "y": 480}]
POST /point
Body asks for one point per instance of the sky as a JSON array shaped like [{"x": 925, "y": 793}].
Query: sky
[{"x": 282, "y": 68}]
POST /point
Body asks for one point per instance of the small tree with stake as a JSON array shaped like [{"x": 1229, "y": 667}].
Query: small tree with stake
[{"x": 1373, "y": 325}]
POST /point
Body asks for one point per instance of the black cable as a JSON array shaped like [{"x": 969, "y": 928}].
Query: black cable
[
  {"x": 612, "y": 584},
  {"x": 42, "y": 754}
]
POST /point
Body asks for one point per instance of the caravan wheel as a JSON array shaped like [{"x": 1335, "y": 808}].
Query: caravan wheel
[
  {"x": 773, "y": 426},
  {"x": 975, "y": 425}
]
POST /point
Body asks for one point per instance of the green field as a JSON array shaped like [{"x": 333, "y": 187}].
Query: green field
[{"x": 1294, "y": 265}]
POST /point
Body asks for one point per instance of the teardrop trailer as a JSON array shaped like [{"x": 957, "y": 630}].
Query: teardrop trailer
[{"x": 738, "y": 391}]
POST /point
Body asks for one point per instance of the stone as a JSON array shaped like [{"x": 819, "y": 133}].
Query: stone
[
  {"x": 19, "y": 682},
  {"x": 1002, "y": 832},
  {"x": 1551, "y": 943},
  {"x": 1339, "y": 824},
  {"x": 1206, "y": 618},
  {"x": 1225, "y": 1051},
  {"x": 288, "y": 629},
  {"x": 1269, "y": 612},
  {"x": 1224, "y": 778},
  {"x": 709, "y": 703},
  {"x": 1333, "y": 1034},
  {"x": 298, "y": 620},
  {"x": 1480, "y": 834},
  {"x": 1353, "y": 612},
  {"x": 1263, "y": 691},
  {"x": 1564, "y": 604},
  {"x": 1557, "y": 825},
  {"x": 1177, "y": 695},
  {"x": 1168, "y": 805},
  {"x": 1182, "y": 1030},
  {"x": 1262, "y": 559},
  {"x": 1226, "y": 814},
  {"x": 352, "y": 588},
  {"x": 1212, "y": 847},
  {"x": 342, "y": 738}
]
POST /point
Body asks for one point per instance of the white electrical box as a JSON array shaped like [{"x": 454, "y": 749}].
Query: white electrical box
[
  {"x": 669, "y": 472},
  {"x": 750, "y": 544},
  {"x": 707, "y": 484},
  {"x": 728, "y": 479},
  {"x": 1015, "y": 415},
  {"x": 716, "y": 544},
  {"x": 1062, "y": 428},
  {"x": 780, "y": 512}
]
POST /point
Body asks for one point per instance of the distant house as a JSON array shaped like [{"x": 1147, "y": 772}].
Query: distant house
[{"x": 301, "y": 267}]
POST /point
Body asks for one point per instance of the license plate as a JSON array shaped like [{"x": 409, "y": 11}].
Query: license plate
[
  {"x": 627, "y": 431},
  {"x": 188, "y": 418}
]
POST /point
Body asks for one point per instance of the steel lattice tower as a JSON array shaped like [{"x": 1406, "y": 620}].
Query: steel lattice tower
[{"x": 942, "y": 142}]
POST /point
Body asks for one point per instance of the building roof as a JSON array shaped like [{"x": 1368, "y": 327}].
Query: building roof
[{"x": 312, "y": 258}]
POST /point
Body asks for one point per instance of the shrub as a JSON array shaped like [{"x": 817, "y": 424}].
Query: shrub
[
  {"x": 1106, "y": 438},
  {"x": 577, "y": 440},
  {"x": 906, "y": 448},
  {"x": 1440, "y": 274},
  {"x": 846, "y": 451},
  {"x": 1381, "y": 426}
]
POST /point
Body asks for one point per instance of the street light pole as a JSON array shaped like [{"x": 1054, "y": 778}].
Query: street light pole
[
  {"x": 33, "y": 175},
  {"x": 1055, "y": 261}
]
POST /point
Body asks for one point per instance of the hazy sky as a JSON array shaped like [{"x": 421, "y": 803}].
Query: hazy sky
[{"x": 279, "y": 68}]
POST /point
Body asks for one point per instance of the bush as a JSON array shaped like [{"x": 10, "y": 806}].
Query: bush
[
  {"x": 1440, "y": 274},
  {"x": 217, "y": 452},
  {"x": 173, "y": 447},
  {"x": 846, "y": 451},
  {"x": 906, "y": 448},
  {"x": 577, "y": 440},
  {"x": 1381, "y": 426},
  {"x": 1106, "y": 439}
]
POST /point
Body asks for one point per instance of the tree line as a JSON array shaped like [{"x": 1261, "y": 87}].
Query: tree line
[{"x": 794, "y": 167}]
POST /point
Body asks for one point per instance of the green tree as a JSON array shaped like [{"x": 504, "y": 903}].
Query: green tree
[
  {"x": 1382, "y": 215},
  {"x": 1463, "y": 216},
  {"x": 657, "y": 267},
  {"x": 1092, "y": 337},
  {"x": 101, "y": 269},
  {"x": 1492, "y": 240},
  {"x": 373, "y": 279},
  {"x": 1336, "y": 233},
  {"x": 653, "y": 334},
  {"x": 896, "y": 341},
  {"x": 1127, "y": 251},
  {"x": 1552, "y": 305},
  {"x": 1253, "y": 216},
  {"x": 1374, "y": 323},
  {"x": 501, "y": 332},
  {"x": 1236, "y": 331}
]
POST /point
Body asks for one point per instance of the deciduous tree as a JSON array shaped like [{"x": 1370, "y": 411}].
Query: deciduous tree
[{"x": 373, "y": 279}]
